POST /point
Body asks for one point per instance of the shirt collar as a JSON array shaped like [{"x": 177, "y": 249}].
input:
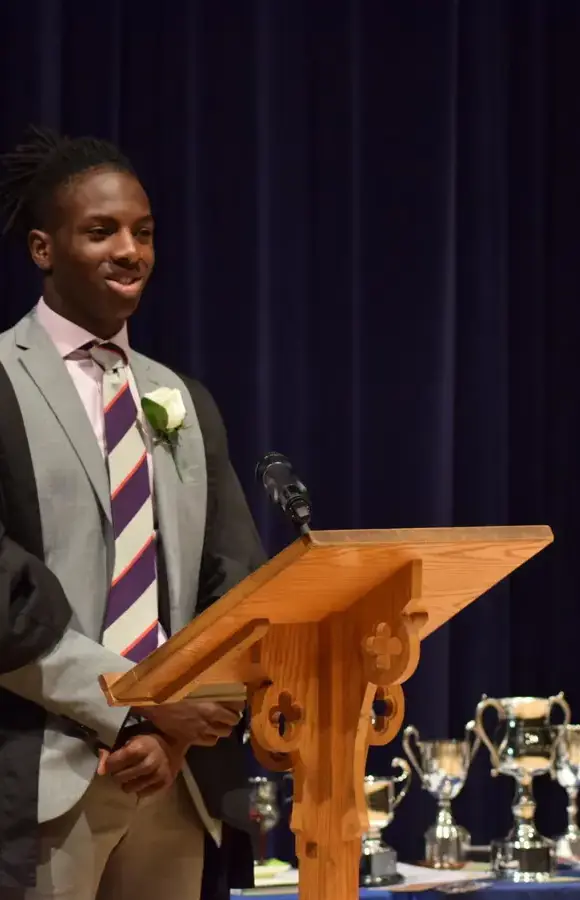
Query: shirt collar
[{"x": 68, "y": 337}]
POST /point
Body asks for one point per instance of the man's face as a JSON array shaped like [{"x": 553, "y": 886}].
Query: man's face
[{"x": 99, "y": 255}]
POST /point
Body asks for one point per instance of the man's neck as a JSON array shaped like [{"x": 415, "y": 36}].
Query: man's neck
[
  {"x": 68, "y": 335},
  {"x": 98, "y": 329}
]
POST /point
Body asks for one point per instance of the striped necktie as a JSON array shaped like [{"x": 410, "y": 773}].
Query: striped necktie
[{"x": 131, "y": 620}]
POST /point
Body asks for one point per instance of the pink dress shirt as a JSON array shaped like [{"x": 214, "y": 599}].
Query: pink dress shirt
[{"x": 87, "y": 376}]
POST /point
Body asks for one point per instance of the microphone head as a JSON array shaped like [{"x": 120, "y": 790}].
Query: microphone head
[
  {"x": 269, "y": 459},
  {"x": 285, "y": 488}
]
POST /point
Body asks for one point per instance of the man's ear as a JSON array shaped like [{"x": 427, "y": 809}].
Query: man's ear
[{"x": 40, "y": 246}]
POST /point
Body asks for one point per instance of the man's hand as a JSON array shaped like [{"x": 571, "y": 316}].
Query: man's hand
[
  {"x": 146, "y": 764},
  {"x": 200, "y": 722}
]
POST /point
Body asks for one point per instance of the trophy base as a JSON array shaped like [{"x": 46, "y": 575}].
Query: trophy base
[
  {"x": 525, "y": 861},
  {"x": 568, "y": 846},
  {"x": 446, "y": 848},
  {"x": 378, "y": 867}
]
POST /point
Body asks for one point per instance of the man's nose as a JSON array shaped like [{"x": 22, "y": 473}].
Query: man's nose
[{"x": 125, "y": 246}]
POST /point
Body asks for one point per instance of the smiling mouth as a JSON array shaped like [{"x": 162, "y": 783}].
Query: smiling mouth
[
  {"x": 128, "y": 286},
  {"x": 124, "y": 279}
]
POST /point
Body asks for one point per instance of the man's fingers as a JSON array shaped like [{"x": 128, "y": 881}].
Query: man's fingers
[
  {"x": 144, "y": 769},
  {"x": 130, "y": 755},
  {"x": 102, "y": 766},
  {"x": 237, "y": 706},
  {"x": 206, "y": 740},
  {"x": 224, "y": 716},
  {"x": 221, "y": 730}
]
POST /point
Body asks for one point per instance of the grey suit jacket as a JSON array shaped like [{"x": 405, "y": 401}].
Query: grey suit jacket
[{"x": 73, "y": 494}]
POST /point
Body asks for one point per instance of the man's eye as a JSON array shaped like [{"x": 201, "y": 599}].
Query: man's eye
[{"x": 98, "y": 232}]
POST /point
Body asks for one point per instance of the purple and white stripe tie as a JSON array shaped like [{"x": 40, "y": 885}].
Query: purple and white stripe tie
[{"x": 132, "y": 617}]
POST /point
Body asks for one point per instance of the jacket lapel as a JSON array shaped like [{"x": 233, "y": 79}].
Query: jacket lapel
[{"x": 43, "y": 363}]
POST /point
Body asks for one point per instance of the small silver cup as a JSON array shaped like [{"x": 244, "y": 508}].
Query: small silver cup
[
  {"x": 378, "y": 865},
  {"x": 264, "y": 811},
  {"x": 443, "y": 769}
]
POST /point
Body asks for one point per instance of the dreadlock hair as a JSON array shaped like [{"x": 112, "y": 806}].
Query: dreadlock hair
[{"x": 43, "y": 162}]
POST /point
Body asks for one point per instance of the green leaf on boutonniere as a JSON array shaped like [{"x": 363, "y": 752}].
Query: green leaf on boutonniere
[{"x": 156, "y": 415}]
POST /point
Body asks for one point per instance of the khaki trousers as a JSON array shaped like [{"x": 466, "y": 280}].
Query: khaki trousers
[{"x": 112, "y": 846}]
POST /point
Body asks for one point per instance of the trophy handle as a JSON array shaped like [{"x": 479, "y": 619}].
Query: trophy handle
[
  {"x": 473, "y": 739},
  {"x": 484, "y": 704},
  {"x": 411, "y": 732},
  {"x": 404, "y": 779},
  {"x": 559, "y": 700}
]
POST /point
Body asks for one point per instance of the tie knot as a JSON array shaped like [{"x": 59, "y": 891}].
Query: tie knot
[{"x": 108, "y": 356}]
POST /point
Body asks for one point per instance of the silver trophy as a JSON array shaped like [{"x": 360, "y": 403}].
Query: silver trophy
[
  {"x": 567, "y": 773},
  {"x": 443, "y": 769},
  {"x": 525, "y": 746},
  {"x": 378, "y": 865},
  {"x": 264, "y": 812}
]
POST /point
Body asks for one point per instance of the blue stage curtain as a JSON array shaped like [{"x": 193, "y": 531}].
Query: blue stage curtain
[{"x": 368, "y": 249}]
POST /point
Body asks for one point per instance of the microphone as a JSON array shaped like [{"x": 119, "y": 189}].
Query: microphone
[{"x": 285, "y": 488}]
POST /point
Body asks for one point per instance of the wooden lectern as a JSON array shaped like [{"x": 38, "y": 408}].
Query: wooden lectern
[{"x": 316, "y": 634}]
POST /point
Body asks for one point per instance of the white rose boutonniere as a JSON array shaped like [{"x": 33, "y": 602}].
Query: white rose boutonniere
[{"x": 165, "y": 411}]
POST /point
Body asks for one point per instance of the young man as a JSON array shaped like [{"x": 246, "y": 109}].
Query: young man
[{"x": 140, "y": 533}]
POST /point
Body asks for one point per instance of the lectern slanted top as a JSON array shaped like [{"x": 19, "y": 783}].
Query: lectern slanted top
[{"x": 316, "y": 634}]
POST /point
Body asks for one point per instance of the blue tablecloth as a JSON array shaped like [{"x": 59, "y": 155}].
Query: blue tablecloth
[{"x": 496, "y": 891}]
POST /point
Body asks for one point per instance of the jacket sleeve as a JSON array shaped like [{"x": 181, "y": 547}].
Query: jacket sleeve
[
  {"x": 65, "y": 682},
  {"x": 44, "y": 660}
]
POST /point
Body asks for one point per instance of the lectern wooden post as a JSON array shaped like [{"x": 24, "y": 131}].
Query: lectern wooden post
[{"x": 316, "y": 634}]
